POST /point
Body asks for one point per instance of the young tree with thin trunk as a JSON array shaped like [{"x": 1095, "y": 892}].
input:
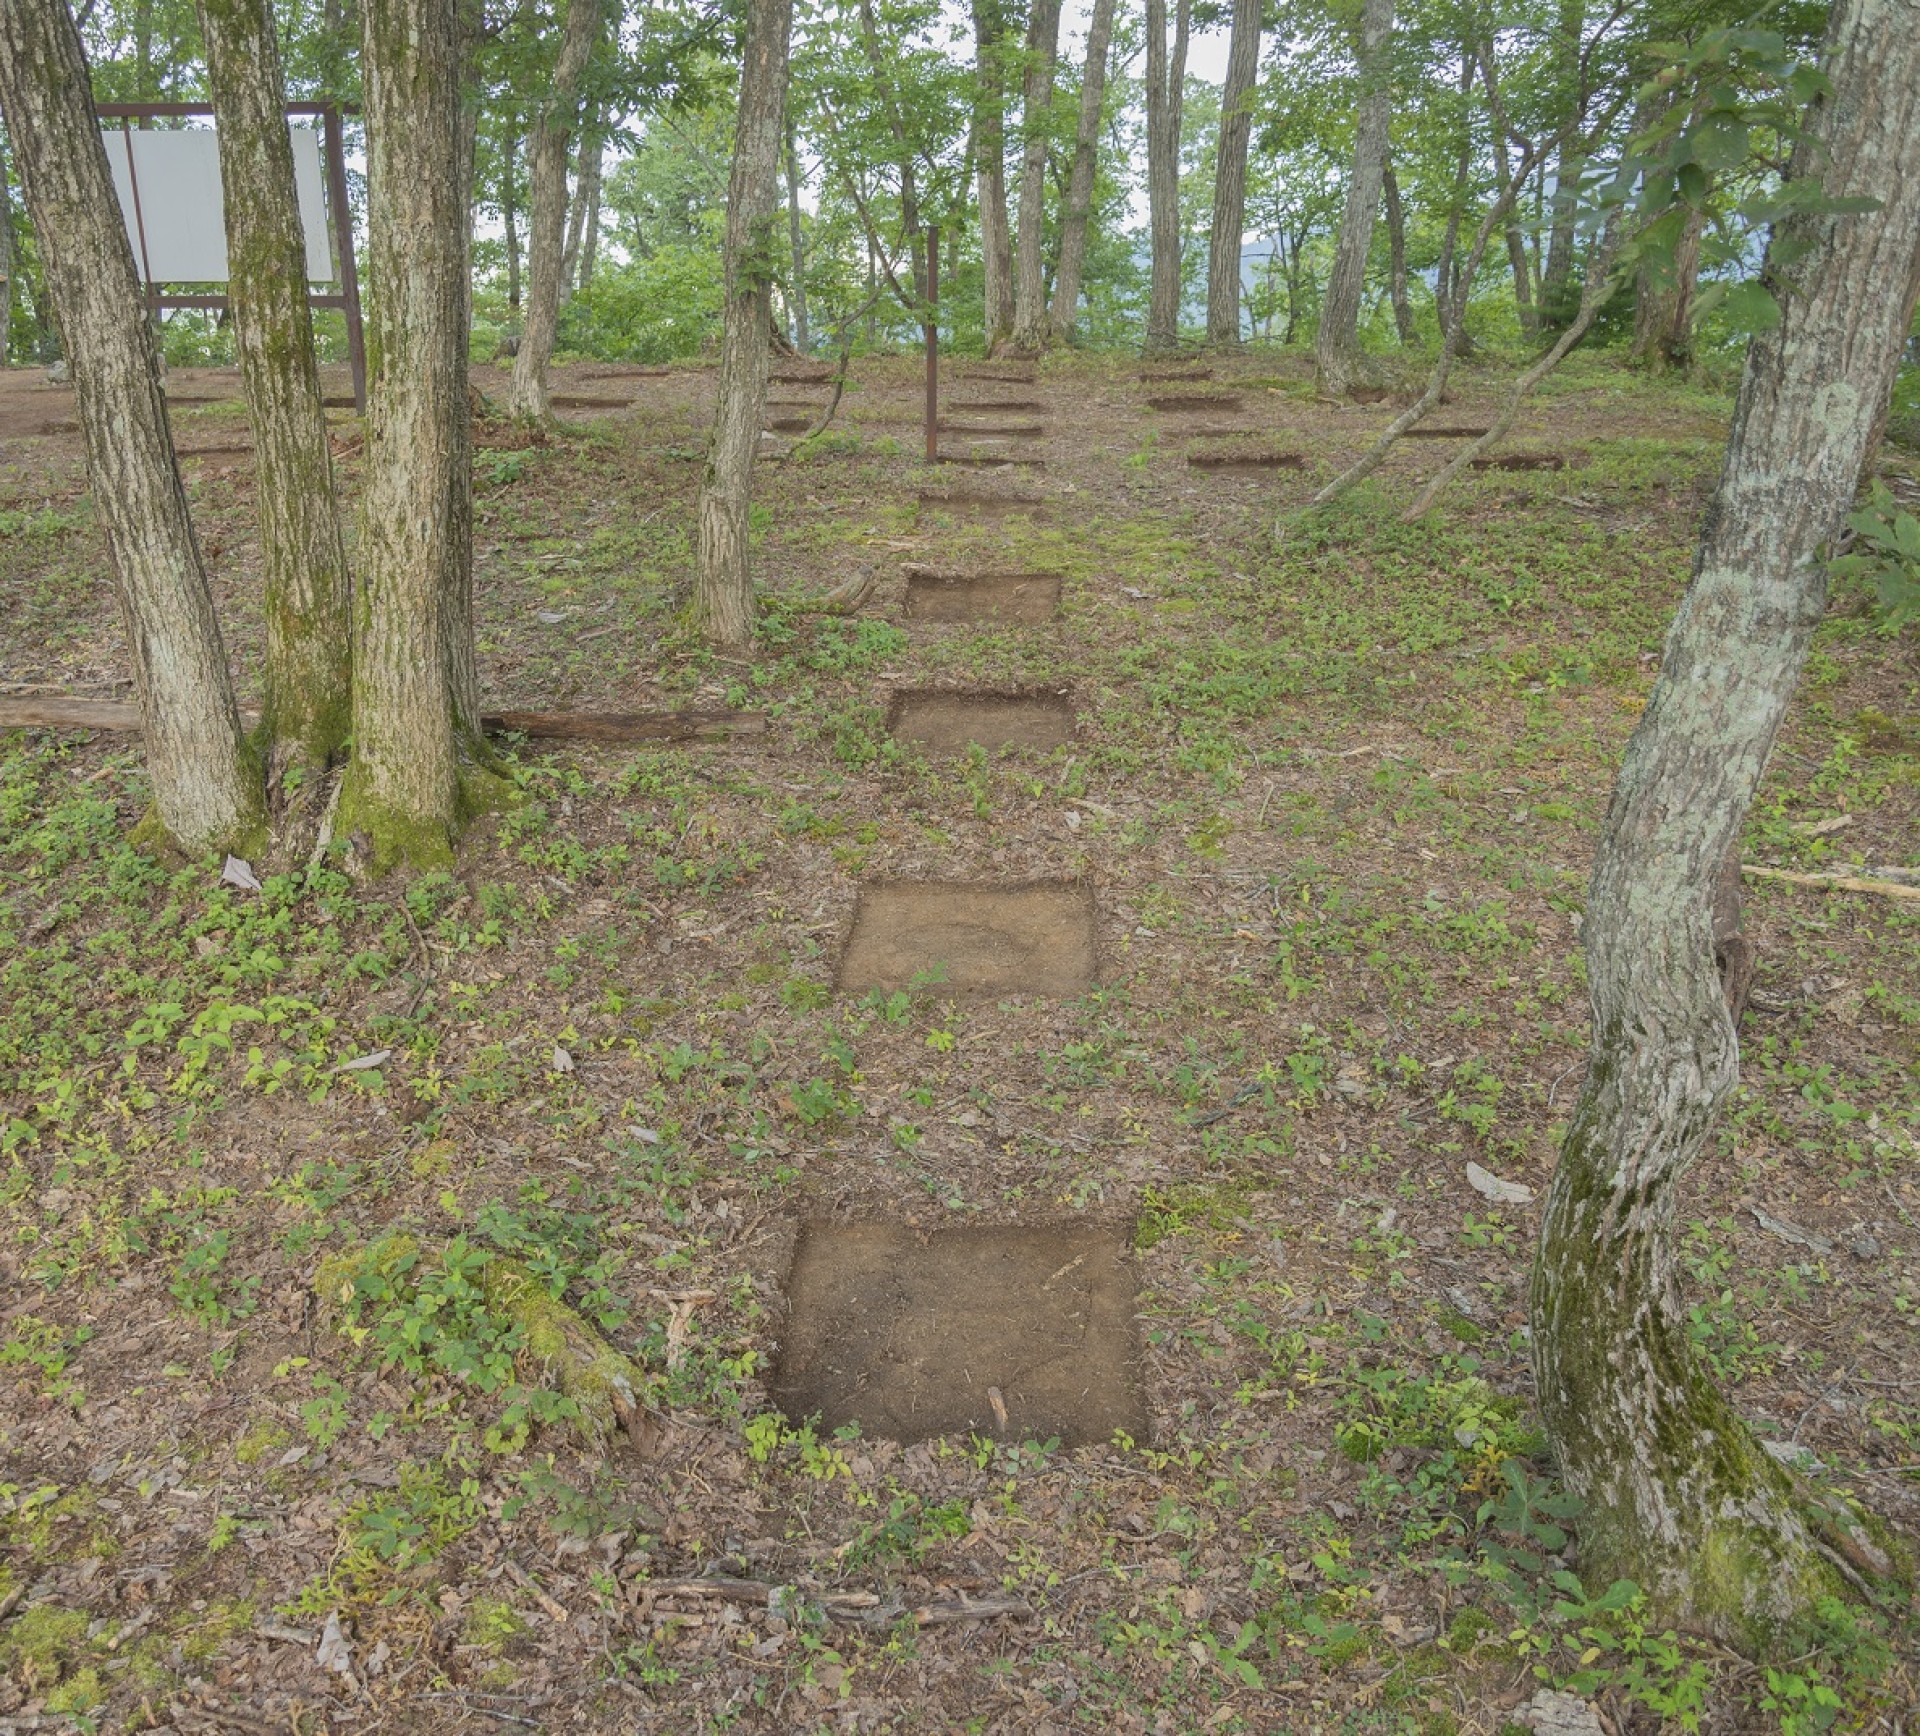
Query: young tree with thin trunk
[
  {"x": 1030, "y": 328},
  {"x": 990, "y": 154},
  {"x": 1166, "y": 90},
  {"x": 1078, "y": 208},
  {"x": 1397, "y": 255},
  {"x": 308, "y": 595},
  {"x": 1556, "y": 276},
  {"x": 553, "y": 126},
  {"x": 206, "y": 784},
  {"x": 1337, "y": 348},
  {"x": 586, "y": 192},
  {"x": 1230, "y": 175},
  {"x": 7, "y": 251},
  {"x": 1677, "y": 1493},
  {"x": 723, "y": 581},
  {"x": 510, "y": 221},
  {"x": 796, "y": 249}
]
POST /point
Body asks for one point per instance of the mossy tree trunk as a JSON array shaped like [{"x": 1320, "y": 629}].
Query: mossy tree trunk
[
  {"x": 553, "y": 126},
  {"x": 1336, "y": 348},
  {"x": 1679, "y": 1496},
  {"x": 206, "y": 783},
  {"x": 1078, "y": 208},
  {"x": 308, "y": 596},
  {"x": 990, "y": 156},
  {"x": 1030, "y": 328},
  {"x": 723, "y": 581},
  {"x": 1230, "y": 175},
  {"x": 1166, "y": 92}
]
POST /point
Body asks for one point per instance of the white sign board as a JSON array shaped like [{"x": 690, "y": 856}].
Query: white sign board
[{"x": 179, "y": 232}]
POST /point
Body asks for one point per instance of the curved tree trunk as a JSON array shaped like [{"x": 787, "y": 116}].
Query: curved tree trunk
[
  {"x": 1030, "y": 329},
  {"x": 547, "y": 214},
  {"x": 1397, "y": 255},
  {"x": 990, "y": 149},
  {"x": 1166, "y": 87},
  {"x": 1336, "y": 349},
  {"x": 723, "y": 580},
  {"x": 796, "y": 249},
  {"x": 206, "y": 785},
  {"x": 1230, "y": 175},
  {"x": 1678, "y": 1494},
  {"x": 1078, "y": 209},
  {"x": 308, "y": 596}
]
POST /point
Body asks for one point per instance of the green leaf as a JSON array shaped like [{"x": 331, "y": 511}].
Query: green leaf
[{"x": 1750, "y": 307}]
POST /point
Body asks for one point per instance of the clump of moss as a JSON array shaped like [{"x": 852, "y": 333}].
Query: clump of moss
[{"x": 42, "y": 1645}]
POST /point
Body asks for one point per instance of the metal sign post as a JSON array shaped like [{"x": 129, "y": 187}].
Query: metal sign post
[{"x": 933, "y": 343}]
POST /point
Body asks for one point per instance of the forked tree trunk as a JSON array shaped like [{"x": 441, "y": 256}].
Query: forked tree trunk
[
  {"x": 1337, "y": 347},
  {"x": 1556, "y": 277},
  {"x": 403, "y": 789},
  {"x": 1166, "y": 87},
  {"x": 1517, "y": 262},
  {"x": 590, "y": 241},
  {"x": 206, "y": 785},
  {"x": 1397, "y": 255},
  {"x": 586, "y": 176},
  {"x": 1030, "y": 329},
  {"x": 510, "y": 219},
  {"x": 796, "y": 249},
  {"x": 1230, "y": 175},
  {"x": 1677, "y": 1493},
  {"x": 308, "y": 597},
  {"x": 990, "y": 149},
  {"x": 1446, "y": 274},
  {"x": 723, "y": 579},
  {"x": 1078, "y": 209},
  {"x": 547, "y": 209}
]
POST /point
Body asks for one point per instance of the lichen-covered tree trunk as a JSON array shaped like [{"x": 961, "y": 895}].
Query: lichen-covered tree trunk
[
  {"x": 796, "y": 249},
  {"x": 1030, "y": 328},
  {"x": 1078, "y": 208},
  {"x": 547, "y": 144},
  {"x": 206, "y": 784},
  {"x": 1397, "y": 254},
  {"x": 308, "y": 596},
  {"x": 1230, "y": 175},
  {"x": 1336, "y": 348},
  {"x": 1678, "y": 1494},
  {"x": 990, "y": 152},
  {"x": 1663, "y": 307},
  {"x": 723, "y": 579},
  {"x": 1166, "y": 86},
  {"x": 403, "y": 789}
]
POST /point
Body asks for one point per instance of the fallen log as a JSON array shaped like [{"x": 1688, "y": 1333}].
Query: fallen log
[
  {"x": 1834, "y": 882},
  {"x": 863, "y": 1607}
]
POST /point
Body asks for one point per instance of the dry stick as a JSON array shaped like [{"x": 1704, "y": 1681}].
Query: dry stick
[{"x": 1833, "y": 882}]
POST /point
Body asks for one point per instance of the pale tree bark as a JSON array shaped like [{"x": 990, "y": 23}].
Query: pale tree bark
[
  {"x": 1397, "y": 254},
  {"x": 206, "y": 785},
  {"x": 796, "y": 249},
  {"x": 1556, "y": 276},
  {"x": 1517, "y": 261},
  {"x": 306, "y": 691},
  {"x": 990, "y": 151},
  {"x": 1230, "y": 175},
  {"x": 1337, "y": 349},
  {"x": 1663, "y": 308},
  {"x": 1446, "y": 276},
  {"x": 1030, "y": 328},
  {"x": 510, "y": 219},
  {"x": 1166, "y": 94},
  {"x": 590, "y": 241},
  {"x": 456, "y": 572},
  {"x": 586, "y": 178},
  {"x": 6, "y": 263},
  {"x": 553, "y": 125},
  {"x": 723, "y": 580},
  {"x": 403, "y": 791},
  {"x": 1078, "y": 209},
  {"x": 1677, "y": 1493}
]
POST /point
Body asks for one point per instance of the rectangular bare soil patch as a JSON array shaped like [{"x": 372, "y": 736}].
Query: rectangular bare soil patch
[
  {"x": 1166, "y": 376},
  {"x": 1521, "y": 461},
  {"x": 996, "y": 406},
  {"x": 587, "y": 401},
  {"x": 1442, "y": 433},
  {"x": 1001, "y": 430},
  {"x": 945, "y": 721},
  {"x": 976, "y": 504},
  {"x": 1246, "y": 463},
  {"x": 1015, "y": 1333},
  {"x": 1195, "y": 401},
  {"x": 1033, "y": 938},
  {"x": 992, "y": 461},
  {"x": 935, "y": 596}
]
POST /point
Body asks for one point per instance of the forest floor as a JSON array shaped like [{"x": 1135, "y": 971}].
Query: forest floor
[{"x": 1309, "y": 850}]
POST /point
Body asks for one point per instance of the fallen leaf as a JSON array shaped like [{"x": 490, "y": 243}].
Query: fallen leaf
[
  {"x": 1489, "y": 1185},
  {"x": 1789, "y": 1232},
  {"x": 241, "y": 874},
  {"x": 562, "y": 1061},
  {"x": 361, "y": 1063}
]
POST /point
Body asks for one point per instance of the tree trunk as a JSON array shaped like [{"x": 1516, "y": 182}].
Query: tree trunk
[
  {"x": 206, "y": 785},
  {"x": 1337, "y": 347},
  {"x": 510, "y": 218},
  {"x": 308, "y": 595},
  {"x": 6, "y": 264},
  {"x": 1446, "y": 273},
  {"x": 1166, "y": 85},
  {"x": 723, "y": 582},
  {"x": 1556, "y": 279},
  {"x": 590, "y": 241},
  {"x": 1663, "y": 308},
  {"x": 1517, "y": 261},
  {"x": 1397, "y": 255},
  {"x": 1678, "y": 1495},
  {"x": 797, "y": 249},
  {"x": 1230, "y": 175},
  {"x": 1030, "y": 329},
  {"x": 456, "y": 572},
  {"x": 990, "y": 147},
  {"x": 547, "y": 215},
  {"x": 586, "y": 172},
  {"x": 1079, "y": 202},
  {"x": 403, "y": 790}
]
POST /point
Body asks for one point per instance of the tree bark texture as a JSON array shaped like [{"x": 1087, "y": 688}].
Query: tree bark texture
[
  {"x": 586, "y": 176},
  {"x": 1678, "y": 1494},
  {"x": 1030, "y": 328},
  {"x": 510, "y": 219},
  {"x": 1517, "y": 260},
  {"x": 1078, "y": 209},
  {"x": 553, "y": 126},
  {"x": 307, "y": 591},
  {"x": 723, "y": 580},
  {"x": 1230, "y": 175},
  {"x": 796, "y": 249},
  {"x": 1663, "y": 307},
  {"x": 1166, "y": 86},
  {"x": 7, "y": 251},
  {"x": 1397, "y": 254},
  {"x": 456, "y": 573},
  {"x": 990, "y": 148},
  {"x": 206, "y": 785},
  {"x": 1336, "y": 348},
  {"x": 1556, "y": 277}
]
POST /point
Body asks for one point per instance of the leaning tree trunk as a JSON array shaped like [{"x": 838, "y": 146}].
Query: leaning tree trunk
[
  {"x": 547, "y": 214},
  {"x": 1230, "y": 175},
  {"x": 1678, "y": 1495},
  {"x": 1397, "y": 255},
  {"x": 403, "y": 789},
  {"x": 796, "y": 249},
  {"x": 1336, "y": 349},
  {"x": 1078, "y": 208},
  {"x": 308, "y": 596},
  {"x": 206, "y": 785},
  {"x": 990, "y": 149},
  {"x": 1166, "y": 83},
  {"x": 723, "y": 579},
  {"x": 1030, "y": 329}
]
